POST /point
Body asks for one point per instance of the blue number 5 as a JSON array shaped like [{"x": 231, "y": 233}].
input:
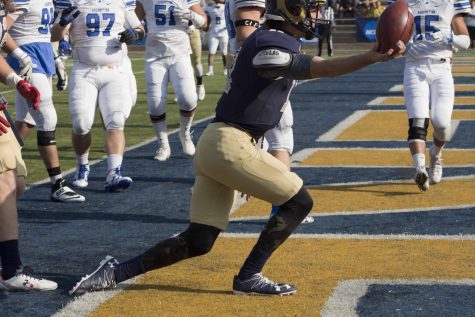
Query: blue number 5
[
  {"x": 425, "y": 28},
  {"x": 161, "y": 15}
]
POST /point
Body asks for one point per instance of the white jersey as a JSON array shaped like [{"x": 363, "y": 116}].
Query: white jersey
[
  {"x": 33, "y": 19},
  {"x": 94, "y": 33},
  {"x": 430, "y": 17},
  {"x": 167, "y": 34},
  {"x": 217, "y": 23},
  {"x": 231, "y": 7}
]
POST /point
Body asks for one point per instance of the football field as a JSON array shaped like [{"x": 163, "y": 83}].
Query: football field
[{"x": 378, "y": 247}]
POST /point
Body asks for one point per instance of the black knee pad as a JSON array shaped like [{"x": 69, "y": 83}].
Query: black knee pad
[
  {"x": 300, "y": 204},
  {"x": 200, "y": 238},
  {"x": 158, "y": 118},
  {"x": 45, "y": 138},
  {"x": 417, "y": 132}
]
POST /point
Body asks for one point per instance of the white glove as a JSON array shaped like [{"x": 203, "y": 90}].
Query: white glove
[
  {"x": 61, "y": 73},
  {"x": 188, "y": 15},
  {"x": 26, "y": 64}
]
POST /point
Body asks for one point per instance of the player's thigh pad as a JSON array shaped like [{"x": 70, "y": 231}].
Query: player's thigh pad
[
  {"x": 442, "y": 98},
  {"x": 228, "y": 156},
  {"x": 83, "y": 92},
  {"x": 281, "y": 138},
  {"x": 113, "y": 98},
  {"x": 213, "y": 44},
  {"x": 223, "y": 43},
  {"x": 156, "y": 73},
  {"x": 416, "y": 91},
  {"x": 195, "y": 41},
  {"x": 183, "y": 81},
  {"x": 45, "y": 117},
  {"x": 10, "y": 154}
]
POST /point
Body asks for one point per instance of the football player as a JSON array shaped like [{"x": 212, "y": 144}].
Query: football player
[
  {"x": 196, "y": 48},
  {"x": 34, "y": 59},
  {"x": 243, "y": 17},
  {"x": 227, "y": 159},
  {"x": 439, "y": 28},
  {"x": 98, "y": 77},
  {"x": 217, "y": 34},
  {"x": 167, "y": 59},
  {"x": 13, "y": 275}
]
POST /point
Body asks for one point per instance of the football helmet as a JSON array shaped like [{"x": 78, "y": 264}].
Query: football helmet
[{"x": 299, "y": 14}]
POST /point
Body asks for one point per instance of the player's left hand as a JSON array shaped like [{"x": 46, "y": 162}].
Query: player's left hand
[
  {"x": 61, "y": 73},
  {"x": 26, "y": 64},
  {"x": 30, "y": 93},
  {"x": 4, "y": 124},
  {"x": 131, "y": 35}
]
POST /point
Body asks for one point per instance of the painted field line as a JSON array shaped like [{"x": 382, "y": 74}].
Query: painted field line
[
  {"x": 399, "y": 101},
  {"x": 343, "y": 125},
  {"x": 329, "y": 236},
  {"x": 344, "y": 299},
  {"x": 458, "y": 87},
  {"x": 364, "y": 212}
]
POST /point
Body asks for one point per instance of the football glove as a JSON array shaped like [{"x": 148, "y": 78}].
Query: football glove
[
  {"x": 61, "y": 73},
  {"x": 131, "y": 35},
  {"x": 26, "y": 64},
  {"x": 4, "y": 124},
  {"x": 30, "y": 93},
  {"x": 68, "y": 15}
]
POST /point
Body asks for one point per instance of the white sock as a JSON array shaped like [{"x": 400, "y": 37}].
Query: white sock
[
  {"x": 161, "y": 133},
  {"x": 185, "y": 124},
  {"x": 210, "y": 69},
  {"x": 199, "y": 70},
  {"x": 54, "y": 178},
  {"x": 82, "y": 159},
  {"x": 113, "y": 161},
  {"x": 436, "y": 150},
  {"x": 419, "y": 160}
]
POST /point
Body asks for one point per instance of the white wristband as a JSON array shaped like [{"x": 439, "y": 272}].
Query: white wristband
[
  {"x": 461, "y": 41},
  {"x": 197, "y": 19},
  {"x": 13, "y": 79},
  {"x": 19, "y": 54}
]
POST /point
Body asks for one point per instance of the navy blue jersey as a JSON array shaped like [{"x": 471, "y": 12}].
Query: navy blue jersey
[{"x": 251, "y": 102}]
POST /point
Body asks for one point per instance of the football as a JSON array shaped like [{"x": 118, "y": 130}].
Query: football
[{"x": 394, "y": 24}]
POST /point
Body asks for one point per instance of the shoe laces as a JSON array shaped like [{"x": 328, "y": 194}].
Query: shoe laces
[
  {"x": 27, "y": 272},
  {"x": 262, "y": 281}
]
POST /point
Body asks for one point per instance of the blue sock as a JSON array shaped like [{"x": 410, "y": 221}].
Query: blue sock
[
  {"x": 253, "y": 264},
  {"x": 274, "y": 210}
]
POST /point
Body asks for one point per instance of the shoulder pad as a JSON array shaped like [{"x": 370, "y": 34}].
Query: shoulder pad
[{"x": 271, "y": 57}]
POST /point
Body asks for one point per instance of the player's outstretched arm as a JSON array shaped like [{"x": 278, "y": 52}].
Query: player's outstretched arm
[
  {"x": 247, "y": 21},
  {"x": 343, "y": 65}
]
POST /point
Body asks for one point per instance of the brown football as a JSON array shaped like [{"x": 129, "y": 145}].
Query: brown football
[{"x": 394, "y": 24}]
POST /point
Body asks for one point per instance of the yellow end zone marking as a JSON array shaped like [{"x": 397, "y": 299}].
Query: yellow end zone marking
[
  {"x": 463, "y": 74},
  {"x": 389, "y": 125},
  {"x": 463, "y": 69},
  {"x": 458, "y": 87},
  {"x": 399, "y": 101},
  {"x": 375, "y": 198},
  {"x": 202, "y": 286},
  {"x": 380, "y": 157}
]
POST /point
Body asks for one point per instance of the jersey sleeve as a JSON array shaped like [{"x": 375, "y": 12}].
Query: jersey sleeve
[
  {"x": 22, "y": 5},
  {"x": 250, "y": 3},
  {"x": 130, "y": 5},
  {"x": 462, "y": 7},
  {"x": 190, "y": 3}
]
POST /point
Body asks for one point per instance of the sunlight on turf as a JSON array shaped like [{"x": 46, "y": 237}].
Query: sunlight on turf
[
  {"x": 380, "y": 157},
  {"x": 376, "y": 197},
  {"x": 389, "y": 125},
  {"x": 202, "y": 286}
]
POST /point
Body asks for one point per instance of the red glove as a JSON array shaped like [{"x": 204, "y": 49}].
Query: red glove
[
  {"x": 30, "y": 93},
  {"x": 3, "y": 122}
]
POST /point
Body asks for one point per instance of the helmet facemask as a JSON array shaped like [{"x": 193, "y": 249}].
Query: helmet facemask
[{"x": 299, "y": 14}]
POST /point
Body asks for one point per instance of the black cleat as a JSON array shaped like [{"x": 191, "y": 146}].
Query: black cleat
[
  {"x": 102, "y": 278},
  {"x": 260, "y": 285}
]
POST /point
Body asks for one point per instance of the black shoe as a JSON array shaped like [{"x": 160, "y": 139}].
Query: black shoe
[
  {"x": 260, "y": 285},
  {"x": 102, "y": 278}
]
